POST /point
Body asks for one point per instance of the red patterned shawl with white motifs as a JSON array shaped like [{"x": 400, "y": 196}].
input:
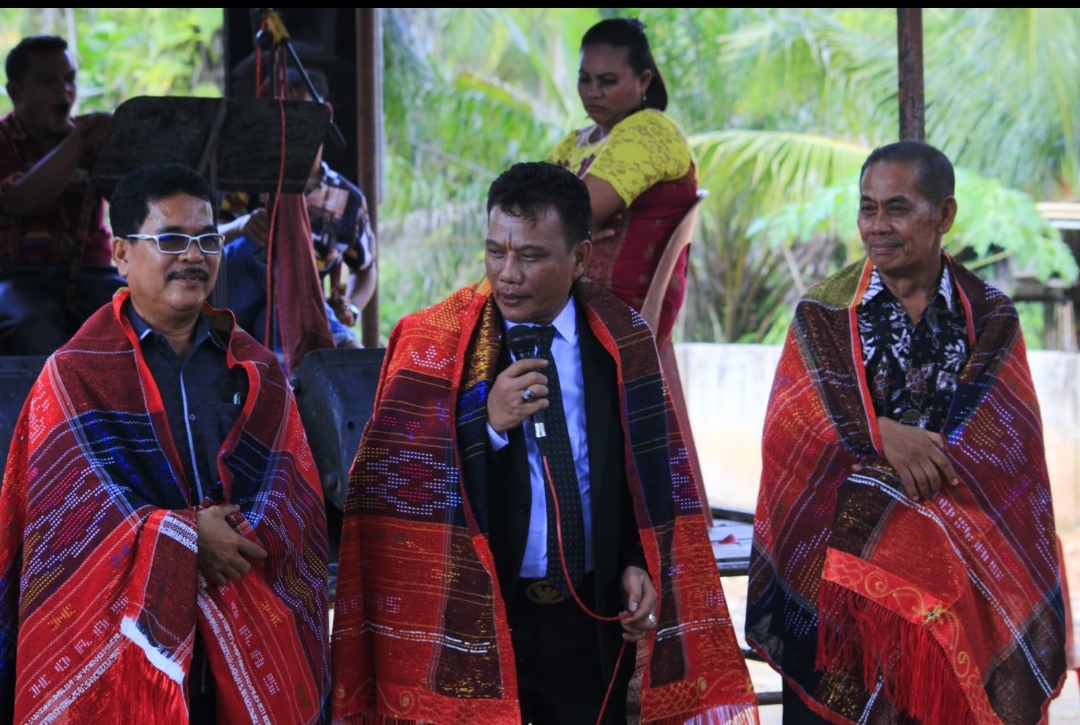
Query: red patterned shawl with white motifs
[
  {"x": 99, "y": 590},
  {"x": 948, "y": 610},
  {"x": 420, "y": 633}
]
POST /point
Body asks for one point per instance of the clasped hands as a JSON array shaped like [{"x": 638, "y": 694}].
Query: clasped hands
[
  {"x": 256, "y": 226},
  {"x": 222, "y": 552},
  {"x": 918, "y": 456},
  {"x": 609, "y": 229}
]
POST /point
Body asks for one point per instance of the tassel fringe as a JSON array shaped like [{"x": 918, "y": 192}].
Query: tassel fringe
[
  {"x": 741, "y": 714},
  {"x": 372, "y": 719},
  {"x": 744, "y": 714},
  {"x": 855, "y": 633}
]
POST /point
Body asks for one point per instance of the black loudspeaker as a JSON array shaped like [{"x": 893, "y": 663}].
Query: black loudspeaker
[
  {"x": 335, "y": 393},
  {"x": 325, "y": 39},
  {"x": 17, "y": 376}
]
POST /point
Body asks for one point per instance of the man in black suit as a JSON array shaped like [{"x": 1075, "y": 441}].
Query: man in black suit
[
  {"x": 522, "y": 527},
  {"x": 537, "y": 248}
]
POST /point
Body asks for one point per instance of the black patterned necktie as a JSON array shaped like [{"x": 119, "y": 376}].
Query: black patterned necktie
[{"x": 555, "y": 446}]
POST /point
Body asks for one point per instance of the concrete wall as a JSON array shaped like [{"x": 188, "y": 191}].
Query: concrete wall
[{"x": 727, "y": 390}]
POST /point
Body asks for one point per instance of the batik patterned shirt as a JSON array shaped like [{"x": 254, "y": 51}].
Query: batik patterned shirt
[
  {"x": 340, "y": 225},
  {"x": 912, "y": 367}
]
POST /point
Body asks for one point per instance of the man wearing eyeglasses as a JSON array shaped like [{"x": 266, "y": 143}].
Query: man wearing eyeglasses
[{"x": 164, "y": 554}]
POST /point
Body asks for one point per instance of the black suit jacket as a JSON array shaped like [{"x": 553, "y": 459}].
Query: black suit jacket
[{"x": 615, "y": 539}]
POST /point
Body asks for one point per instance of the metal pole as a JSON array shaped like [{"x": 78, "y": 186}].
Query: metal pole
[
  {"x": 909, "y": 47},
  {"x": 369, "y": 139}
]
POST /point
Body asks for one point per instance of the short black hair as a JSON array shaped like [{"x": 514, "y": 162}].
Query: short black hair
[
  {"x": 18, "y": 60},
  {"x": 933, "y": 170},
  {"x": 629, "y": 33},
  {"x": 526, "y": 189},
  {"x": 318, "y": 79},
  {"x": 131, "y": 199},
  {"x": 295, "y": 86}
]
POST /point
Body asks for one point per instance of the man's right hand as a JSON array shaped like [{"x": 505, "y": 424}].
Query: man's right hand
[
  {"x": 93, "y": 129},
  {"x": 918, "y": 456},
  {"x": 505, "y": 407},
  {"x": 221, "y": 550},
  {"x": 609, "y": 229},
  {"x": 257, "y": 227}
]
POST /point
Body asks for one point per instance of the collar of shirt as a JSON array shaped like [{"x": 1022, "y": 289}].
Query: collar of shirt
[
  {"x": 324, "y": 174},
  {"x": 203, "y": 330},
  {"x": 565, "y": 324},
  {"x": 944, "y": 292}
]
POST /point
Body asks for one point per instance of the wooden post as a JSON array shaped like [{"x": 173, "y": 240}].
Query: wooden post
[
  {"x": 909, "y": 47},
  {"x": 369, "y": 133}
]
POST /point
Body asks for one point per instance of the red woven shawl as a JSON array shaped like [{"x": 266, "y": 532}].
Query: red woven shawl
[
  {"x": 949, "y": 610},
  {"x": 420, "y": 631},
  {"x": 99, "y": 583}
]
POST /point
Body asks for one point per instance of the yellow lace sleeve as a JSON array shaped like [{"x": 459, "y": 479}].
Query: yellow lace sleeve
[
  {"x": 568, "y": 154},
  {"x": 644, "y": 149}
]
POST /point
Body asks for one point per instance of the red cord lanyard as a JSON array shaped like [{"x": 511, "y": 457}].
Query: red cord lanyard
[{"x": 570, "y": 585}]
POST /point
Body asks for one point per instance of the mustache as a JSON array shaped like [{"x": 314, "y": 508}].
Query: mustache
[{"x": 197, "y": 272}]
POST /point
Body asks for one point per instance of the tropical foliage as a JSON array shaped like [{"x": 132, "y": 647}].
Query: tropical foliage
[
  {"x": 780, "y": 105},
  {"x": 126, "y": 52}
]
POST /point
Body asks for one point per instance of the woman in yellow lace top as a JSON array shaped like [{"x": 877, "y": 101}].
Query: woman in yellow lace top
[{"x": 635, "y": 161}]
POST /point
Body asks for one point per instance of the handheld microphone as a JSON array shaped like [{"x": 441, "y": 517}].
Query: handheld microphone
[{"x": 523, "y": 342}]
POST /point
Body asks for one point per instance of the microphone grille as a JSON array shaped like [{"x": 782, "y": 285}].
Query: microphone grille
[{"x": 523, "y": 341}]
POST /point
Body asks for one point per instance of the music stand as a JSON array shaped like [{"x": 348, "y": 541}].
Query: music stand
[{"x": 235, "y": 143}]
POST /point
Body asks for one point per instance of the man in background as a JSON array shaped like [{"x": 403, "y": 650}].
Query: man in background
[
  {"x": 55, "y": 261},
  {"x": 341, "y": 235}
]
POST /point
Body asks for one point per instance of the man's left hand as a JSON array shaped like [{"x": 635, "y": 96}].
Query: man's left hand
[
  {"x": 639, "y": 598},
  {"x": 222, "y": 552},
  {"x": 919, "y": 458}
]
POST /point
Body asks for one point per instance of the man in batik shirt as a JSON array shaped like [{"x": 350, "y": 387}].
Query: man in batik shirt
[
  {"x": 911, "y": 367},
  {"x": 904, "y": 566}
]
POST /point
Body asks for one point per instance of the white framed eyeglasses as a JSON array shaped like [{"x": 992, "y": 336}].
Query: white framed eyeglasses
[{"x": 176, "y": 243}]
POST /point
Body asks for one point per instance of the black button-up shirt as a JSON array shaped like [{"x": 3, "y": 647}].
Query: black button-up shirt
[
  {"x": 912, "y": 367},
  {"x": 202, "y": 399}
]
